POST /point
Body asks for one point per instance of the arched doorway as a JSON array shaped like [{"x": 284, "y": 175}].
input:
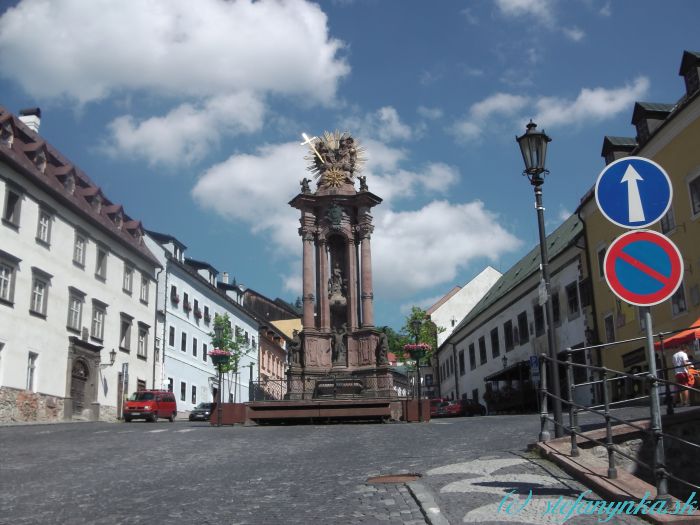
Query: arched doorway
[{"x": 80, "y": 373}]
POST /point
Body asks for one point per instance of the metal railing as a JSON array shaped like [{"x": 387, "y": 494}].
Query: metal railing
[
  {"x": 607, "y": 377},
  {"x": 333, "y": 386}
]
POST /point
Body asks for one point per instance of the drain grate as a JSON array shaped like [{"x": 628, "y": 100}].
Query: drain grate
[{"x": 393, "y": 478}]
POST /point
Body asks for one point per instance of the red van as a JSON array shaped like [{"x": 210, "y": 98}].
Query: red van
[{"x": 150, "y": 405}]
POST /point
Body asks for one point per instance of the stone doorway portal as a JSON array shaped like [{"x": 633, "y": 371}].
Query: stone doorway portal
[{"x": 79, "y": 378}]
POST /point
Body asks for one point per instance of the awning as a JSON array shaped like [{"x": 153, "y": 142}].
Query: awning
[
  {"x": 681, "y": 338},
  {"x": 514, "y": 372}
]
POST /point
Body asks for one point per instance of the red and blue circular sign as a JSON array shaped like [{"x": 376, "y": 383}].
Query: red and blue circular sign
[{"x": 643, "y": 267}]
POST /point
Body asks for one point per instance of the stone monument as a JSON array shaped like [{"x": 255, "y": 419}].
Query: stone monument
[{"x": 339, "y": 344}]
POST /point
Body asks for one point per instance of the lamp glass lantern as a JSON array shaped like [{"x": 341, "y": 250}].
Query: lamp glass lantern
[
  {"x": 533, "y": 147},
  {"x": 505, "y": 361},
  {"x": 112, "y": 356}
]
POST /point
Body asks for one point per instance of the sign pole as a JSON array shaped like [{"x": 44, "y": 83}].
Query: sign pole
[{"x": 659, "y": 454}]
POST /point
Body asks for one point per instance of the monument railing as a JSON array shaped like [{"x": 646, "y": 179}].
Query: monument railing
[{"x": 391, "y": 385}]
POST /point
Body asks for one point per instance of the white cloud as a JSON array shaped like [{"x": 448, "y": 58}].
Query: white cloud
[
  {"x": 573, "y": 33},
  {"x": 415, "y": 250},
  {"x": 606, "y": 10},
  {"x": 383, "y": 124},
  {"x": 88, "y": 50},
  {"x": 430, "y": 113},
  {"x": 472, "y": 125},
  {"x": 541, "y": 10},
  {"x": 591, "y": 104},
  {"x": 188, "y": 132}
]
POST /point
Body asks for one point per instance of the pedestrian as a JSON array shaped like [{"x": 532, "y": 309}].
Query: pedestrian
[{"x": 682, "y": 369}]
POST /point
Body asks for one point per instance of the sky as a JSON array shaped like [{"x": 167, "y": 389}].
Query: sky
[{"x": 190, "y": 115}]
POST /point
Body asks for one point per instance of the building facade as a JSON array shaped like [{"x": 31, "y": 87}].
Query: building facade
[
  {"x": 188, "y": 301},
  {"x": 669, "y": 135},
  {"x": 486, "y": 358},
  {"x": 77, "y": 287}
]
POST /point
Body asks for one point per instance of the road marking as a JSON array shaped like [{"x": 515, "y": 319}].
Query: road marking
[
  {"x": 101, "y": 431},
  {"x": 185, "y": 430},
  {"x": 478, "y": 466},
  {"x": 152, "y": 431}
]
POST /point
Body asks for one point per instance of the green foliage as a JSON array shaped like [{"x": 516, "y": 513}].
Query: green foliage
[
  {"x": 236, "y": 344},
  {"x": 426, "y": 334}
]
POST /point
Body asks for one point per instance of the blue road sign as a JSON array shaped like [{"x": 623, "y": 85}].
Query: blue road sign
[
  {"x": 643, "y": 267},
  {"x": 534, "y": 362},
  {"x": 633, "y": 192}
]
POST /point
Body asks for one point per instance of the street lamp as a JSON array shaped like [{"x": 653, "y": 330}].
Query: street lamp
[
  {"x": 505, "y": 361},
  {"x": 533, "y": 146},
  {"x": 219, "y": 334},
  {"x": 416, "y": 325}
]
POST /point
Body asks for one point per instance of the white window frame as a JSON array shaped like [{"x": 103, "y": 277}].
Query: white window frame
[
  {"x": 145, "y": 284},
  {"x": 76, "y": 300},
  {"x": 8, "y": 276},
  {"x": 142, "y": 346},
  {"x": 126, "y": 322},
  {"x": 12, "y": 217},
  {"x": 694, "y": 179},
  {"x": 679, "y": 303},
  {"x": 39, "y": 295},
  {"x": 97, "y": 324},
  {"x": 668, "y": 221},
  {"x": 31, "y": 371},
  {"x": 128, "y": 280},
  {"x": 43, "y": 227},
  {"x": 101, "y": 263},
  {"x": 79, "y": 247}
]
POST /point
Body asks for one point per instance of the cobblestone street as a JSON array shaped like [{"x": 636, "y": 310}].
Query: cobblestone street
[{"x": 193, "y": 473}]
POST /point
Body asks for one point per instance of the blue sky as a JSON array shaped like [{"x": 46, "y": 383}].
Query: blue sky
[{"x": 190, "y": 115}]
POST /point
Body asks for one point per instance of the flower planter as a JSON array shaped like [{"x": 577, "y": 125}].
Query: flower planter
[{"x": 219, "y": 359}]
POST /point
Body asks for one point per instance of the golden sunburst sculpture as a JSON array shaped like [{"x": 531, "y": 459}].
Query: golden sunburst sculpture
[{"x": 335, "y": 158}]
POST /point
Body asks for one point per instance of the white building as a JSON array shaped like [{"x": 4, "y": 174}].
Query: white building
[
  {"x": 492, "y": 346},
  {"x": 188, "y": 300},
  {"x": 458, "y": 302},
  {"x": 77, "y": 285}
]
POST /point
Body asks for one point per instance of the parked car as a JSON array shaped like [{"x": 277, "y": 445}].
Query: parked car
[
  {"x": 469, "y": 407},
  {"x": 150, "y": 405},
  {"x": 450, "y": 409},
  {"x": 435, "y": 405},
  {"x": 201, "y": 412}
]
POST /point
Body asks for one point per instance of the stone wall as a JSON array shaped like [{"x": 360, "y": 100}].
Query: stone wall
[{"x": 25, "y": 406}]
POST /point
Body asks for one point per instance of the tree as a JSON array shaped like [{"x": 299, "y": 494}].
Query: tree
[
  {"x": 235, "y": 344},
  {"x": 427, "y": 334}
]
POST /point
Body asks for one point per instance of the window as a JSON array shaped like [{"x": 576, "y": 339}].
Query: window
[
  {"x": 451, "y": 367},
  {"x": 572, "y": 300},
  {"x": 98, "y": 320},
  {"x": 428, "y": 379},
  {"x": 495, "y": 343},
  {"x": 183, "y": 391},
  {"x": 101, "y": 264},
  {"x": 678, "y": 304},
  {"x": 171, "y": 336},
  {"x": 601, "y": 262},
  {"x": 10, "y": 215},
  {"x": 523, "y": 332},
  {"x": 183, "y": 342},
  {"x": 43, "y": 229},
  {"x": 40, "y": 291},
  {"x": 194, "y": 346},
  {"x": 539, "y": 320},
  {"x": 482, "y": 350},
  {"x": 508, "y": 335},
  {"x": 196, "y": 306},
  {"x": 204, "y": 352},
  {"x": 170, "y": 384},
  {"x": 668, "y": 221},
  {"x": 609, "y": 328},
  {"x": 79, "y": 249},
  {"x": 173, "y": 294},
  {"x": 142, "y": 348},
  {"x": 143, "y": 296},
  {"x": 8, "y": 268},
  {"x": 186, "y": 302},
  {"x": 31, "y": 371},
  {"x": 462, "y": 370},
  {"x": 140, "y": 385},
  {"x": 556, "y": 310},
  {"x": 128, "y": 282},
  {"x": 206, "y": 314},
  {"x": 194, "y": 395},
  {"x": 694, "y": 190},
  {"x": 76, "y": 298},
  {"x": 125, "y": 332},
  {"x": 472, "y": 357}
]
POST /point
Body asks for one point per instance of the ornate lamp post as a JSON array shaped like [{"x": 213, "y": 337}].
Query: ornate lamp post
[
  {"x": 505, "y": 361},
  {"x": 533, "y": 146}
]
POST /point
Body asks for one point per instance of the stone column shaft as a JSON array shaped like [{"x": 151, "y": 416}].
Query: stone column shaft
[
  {"x": 366, "y": 282},
  {"x": 324, "y": 306},
  {"x": 308, "y": 281},
  {"x": 352, "y": 285}
]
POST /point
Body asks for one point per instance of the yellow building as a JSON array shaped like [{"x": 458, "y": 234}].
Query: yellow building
[{"x": 668, "y": 134}]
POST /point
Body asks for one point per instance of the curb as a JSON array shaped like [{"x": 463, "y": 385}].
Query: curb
[{"x": 426, "y": 502}]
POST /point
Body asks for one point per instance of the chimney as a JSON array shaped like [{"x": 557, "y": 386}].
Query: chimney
[
  {"x": 31, "y": 117},
  {"x": 224, "y": 277}
]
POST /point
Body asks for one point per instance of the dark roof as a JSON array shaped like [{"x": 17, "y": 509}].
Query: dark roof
[
  {"x": 200, "y": 265},
  {"x": 557, "y": 241},
  {"x": 651, "y": 109},
  {"x": 162, "y": 238},
  {"x": 21, "y": 155},
  {"x": 690, "y": 59},
  {"x": 618, "y": 144},
  {"x": 288, "y": 306}
]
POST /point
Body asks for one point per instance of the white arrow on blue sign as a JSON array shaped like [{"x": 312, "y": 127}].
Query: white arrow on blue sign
[{"x": 633, "y": 192}]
